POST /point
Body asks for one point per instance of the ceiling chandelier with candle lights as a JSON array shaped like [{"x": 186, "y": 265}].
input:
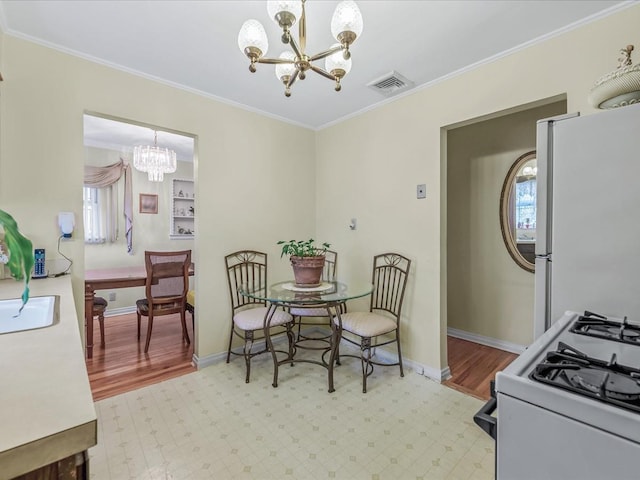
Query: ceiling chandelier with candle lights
[{"x": 346, "y": 26}]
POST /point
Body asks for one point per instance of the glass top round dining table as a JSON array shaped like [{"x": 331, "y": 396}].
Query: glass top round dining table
[
  {"x": 288, "y": 293},
  {"x": 328, "y": 295}
]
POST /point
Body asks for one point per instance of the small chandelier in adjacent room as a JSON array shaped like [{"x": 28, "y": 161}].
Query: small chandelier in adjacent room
[
  {"x": 153, "y": 160},
  {"x": 346, "y": 26}
]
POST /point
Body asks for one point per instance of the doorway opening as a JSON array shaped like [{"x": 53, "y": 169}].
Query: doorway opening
[
  {"x": 488, "y": 311},
  {"x": 127, "y": 224}
]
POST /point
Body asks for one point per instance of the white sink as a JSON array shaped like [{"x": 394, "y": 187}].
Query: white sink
[{"x": 39, "y": 312}]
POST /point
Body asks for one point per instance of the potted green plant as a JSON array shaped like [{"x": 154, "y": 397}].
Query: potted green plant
[{"x": 307, "y": 260}]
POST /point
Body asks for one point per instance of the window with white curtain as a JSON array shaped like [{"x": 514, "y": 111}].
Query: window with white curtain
[
  {"x": 526, "y": 205},
  {"x": 99, "y": 207}
]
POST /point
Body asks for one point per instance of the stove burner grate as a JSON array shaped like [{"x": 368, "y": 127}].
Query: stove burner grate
[
  {"x": 608, "y": 382},
  {"x": 599, "y": 326}
]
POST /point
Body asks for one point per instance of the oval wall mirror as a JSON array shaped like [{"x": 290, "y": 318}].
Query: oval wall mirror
[{"x": 518, "y": 211}]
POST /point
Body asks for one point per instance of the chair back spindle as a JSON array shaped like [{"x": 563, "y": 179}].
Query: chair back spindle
[
  {"x": 246, "y": 268},
  {"x": 166, "y": 288},
  {"x": 167, "y": 275},
  {"x": 329, "y": 273},
  {"x": 390, "y": 273}
]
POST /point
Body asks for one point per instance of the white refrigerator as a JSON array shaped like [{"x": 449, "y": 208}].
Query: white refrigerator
[{"x": 588, "y": 216}]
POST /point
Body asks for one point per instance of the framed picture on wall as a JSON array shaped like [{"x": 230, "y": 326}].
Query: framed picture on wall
[{"x": 148, "y": 203}]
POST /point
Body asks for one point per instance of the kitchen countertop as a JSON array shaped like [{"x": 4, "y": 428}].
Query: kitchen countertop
[{"x": 46, "y": 407}]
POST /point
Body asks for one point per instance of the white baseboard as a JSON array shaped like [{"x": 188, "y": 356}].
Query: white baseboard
[
  {"x": 112, "y": 312},
  {"x": 208, "y": 360},
  {"x": 257, "y": 346},
  {"x": 385, "y": 356},
  {"x": 435, "y": 374},
  {"x": 488, "y": 341},
  {"x": 425, "y": 370}
]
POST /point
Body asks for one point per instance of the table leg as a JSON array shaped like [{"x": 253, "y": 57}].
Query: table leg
[
  {"x": 89, "y": 294},
  {"x": 267, "y": 335},
  {"x": 336, "y": 336}
]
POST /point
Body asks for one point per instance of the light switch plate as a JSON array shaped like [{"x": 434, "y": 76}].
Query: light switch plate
[{"x": 421, "y": 191}]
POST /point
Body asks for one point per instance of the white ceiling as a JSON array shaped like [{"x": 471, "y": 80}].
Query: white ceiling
[
  {"x": 106, "y": 133},
  {"x": 193, "y": 44}
]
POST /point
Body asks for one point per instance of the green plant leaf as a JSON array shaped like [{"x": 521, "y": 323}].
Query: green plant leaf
[
  {"x": 302, "y": 248},
  {"x": 20, "y": 253}
]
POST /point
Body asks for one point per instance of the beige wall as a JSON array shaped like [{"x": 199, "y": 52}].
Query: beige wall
[
  {"x": 488, "y": 294},
  {"x": 252, "y": 192},
  {"x": 368, "y": 166},
  {"x": 245, "y": 182}
]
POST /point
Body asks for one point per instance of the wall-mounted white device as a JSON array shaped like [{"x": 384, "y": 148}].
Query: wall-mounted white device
[{"x": 66, "y": 221}]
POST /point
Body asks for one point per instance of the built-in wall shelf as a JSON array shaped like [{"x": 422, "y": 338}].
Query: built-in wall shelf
[{"x": 182, "y": 209}]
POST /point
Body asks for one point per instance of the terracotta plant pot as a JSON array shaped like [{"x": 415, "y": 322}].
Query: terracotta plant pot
[{"x": 307, "y": 271}]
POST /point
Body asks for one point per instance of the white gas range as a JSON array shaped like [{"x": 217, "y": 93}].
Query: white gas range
[{"x": 569, "y": 406}]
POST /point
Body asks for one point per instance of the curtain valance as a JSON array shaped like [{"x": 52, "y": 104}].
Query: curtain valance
[{"x": 101, "y": 177}]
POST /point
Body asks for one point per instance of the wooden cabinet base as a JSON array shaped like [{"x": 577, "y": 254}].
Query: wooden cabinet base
[{"x": 75, "y": 467}]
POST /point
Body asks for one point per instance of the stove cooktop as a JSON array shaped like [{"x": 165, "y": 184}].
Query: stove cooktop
[
  {"x": 553, "y": 374},
  {"x": 604, "y": 380}
]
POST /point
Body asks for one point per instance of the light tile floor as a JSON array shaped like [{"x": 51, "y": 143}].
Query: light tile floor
[{"x": 211, "y": 425}]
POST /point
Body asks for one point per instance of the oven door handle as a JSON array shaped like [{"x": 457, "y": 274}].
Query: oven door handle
[{"x": 484, "y": 419}]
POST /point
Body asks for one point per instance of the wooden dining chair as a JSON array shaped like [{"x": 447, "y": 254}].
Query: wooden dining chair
[
  {"x": 99, "y": 307},
  {"x": 191, "y": 307},
  {"x": 379, "y": 326},
  {"x": 248, "y": 268},
  {"x": 166, "y": 289}
]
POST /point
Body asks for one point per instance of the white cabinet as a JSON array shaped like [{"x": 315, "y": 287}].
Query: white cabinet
[{"x": 182, "y": 209}]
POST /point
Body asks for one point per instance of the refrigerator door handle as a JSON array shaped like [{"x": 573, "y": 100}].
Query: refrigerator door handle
[
  {"x": 543, "y": 186},
  {"x": 542, "y": 289},
  {"x": 544, "y": 180}
]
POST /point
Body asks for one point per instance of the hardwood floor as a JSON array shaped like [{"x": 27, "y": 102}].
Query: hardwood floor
[
  {"x": 121, "y": 365},
  {"x": 473, "y": 366}
]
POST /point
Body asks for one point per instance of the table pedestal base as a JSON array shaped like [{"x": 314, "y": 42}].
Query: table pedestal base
[{"x": 333, "y": 310}]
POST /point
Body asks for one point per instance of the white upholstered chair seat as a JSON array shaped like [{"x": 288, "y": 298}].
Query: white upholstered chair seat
[
  {"x": 253, "y": 318},
  {"x": 308, "y": 312},
  {"x": 366, "y": 324}
]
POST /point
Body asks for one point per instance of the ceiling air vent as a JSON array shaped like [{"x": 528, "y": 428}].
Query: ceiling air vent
[{"x": 390, "y": 84}]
